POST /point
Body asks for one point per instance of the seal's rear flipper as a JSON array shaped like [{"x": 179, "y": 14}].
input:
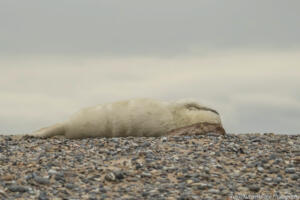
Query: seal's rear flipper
[{"x": 57, "y": 129}]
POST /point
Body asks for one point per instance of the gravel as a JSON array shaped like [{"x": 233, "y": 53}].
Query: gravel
[{"x": 208, "y": 166}]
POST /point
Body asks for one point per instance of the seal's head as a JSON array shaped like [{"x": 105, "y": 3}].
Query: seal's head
[{"x": 189, "y": 112}]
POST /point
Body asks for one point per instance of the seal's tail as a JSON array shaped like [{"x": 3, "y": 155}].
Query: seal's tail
[{"x": 57, "y": 129}]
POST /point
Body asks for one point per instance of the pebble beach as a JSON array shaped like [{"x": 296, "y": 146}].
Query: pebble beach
[{"x": 211, "y": 166}]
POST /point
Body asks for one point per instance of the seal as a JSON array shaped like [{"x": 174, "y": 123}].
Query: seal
[{"x": 135, "y": 117}]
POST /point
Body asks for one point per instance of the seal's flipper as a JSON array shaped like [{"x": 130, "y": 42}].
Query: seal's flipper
[{"x": 57, "y": 129}]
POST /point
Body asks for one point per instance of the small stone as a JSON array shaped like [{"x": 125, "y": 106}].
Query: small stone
[
  {"x": 119, "y": 175},
  {"x": 169, "y": 168},
  {"x": 115, "y": 140},
  {"x": 274, "y": 170},
  {"x": 296, "y": 160},
  {"x": 8, "y": 178},
  {"x": 92, "y": 197},
  {"x": 164, "y": 139},
  {"x": 110, "y": 176},
  {"x": 52, "y": 172},
  {"x": 70, "y": 186},
  {"x": 29, "y": 176},
  {"x": 272, "y": 157},
  {"x": 290, "y": 170},
  {"x": 102, "y": 190},
  {"x": 260, "y": 169},
  {"x": 2, "y": 193},
  {"x": 295, "y": 177},
  {"x": 277, "y": 179},
  {"x": 146, "y": 174},
  {"x": 277, "y": 161},
  {"x": 146, "y": 144},
  {"x": 59, "y": 177},
  {"x": 183, "y": 197},
  {"x": 41, "y": 180},
  {"x": 43, "y": 196},
  {"x": 214, "y": 191},
  {"x": 18, "y": 188},
  {"x": 254, "y": 188},
  {"x": 145, "y": 194},
  {"x": 202, "y": 186},
  {"x": 268, "y": 179},
  {"x": 138, "y": 165}
]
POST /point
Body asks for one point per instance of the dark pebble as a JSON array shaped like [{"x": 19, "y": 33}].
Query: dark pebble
[
  {"x": 119, "y": 175},
  {"x": 254, "y": 188},
  {"x": 70, "y": 186},
  {"x": 41, "y": 180},
  {"x": 43, "y": 196},
  {"x": 290, "y": 170},
  {"x": 18, "y": 188},
  {"x": 59, "y": 177},
  {"x": 295, "y": 177}
]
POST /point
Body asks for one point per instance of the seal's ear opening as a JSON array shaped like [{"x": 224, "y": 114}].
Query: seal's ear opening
[{"x": 196, "y": 106}]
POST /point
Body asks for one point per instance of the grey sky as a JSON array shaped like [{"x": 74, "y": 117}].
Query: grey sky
[
  {"x": 168, "y": 27},
  {"x": 240, "y": 57}
]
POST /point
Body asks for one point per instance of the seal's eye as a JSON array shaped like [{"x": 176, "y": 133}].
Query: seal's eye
[{"x": 192, "y": 107}]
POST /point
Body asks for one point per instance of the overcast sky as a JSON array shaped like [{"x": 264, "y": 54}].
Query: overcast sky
[{"x": 239, "y": 57}]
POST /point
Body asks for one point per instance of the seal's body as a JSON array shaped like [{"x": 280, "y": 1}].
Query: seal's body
[{"x": 136, "y": 117}]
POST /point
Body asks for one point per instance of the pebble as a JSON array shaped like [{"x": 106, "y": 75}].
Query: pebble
[
  {"x": 42, "y": 180},
  {"x": 260, "y": 169},
  {"x": 43, "y": 196},
  {"x": 268, "y": 179},
  {"x": 254, "y": 188},
  {"x": 295, "y": 177},
  {"x": 146, "y": 174},
  {"x": 277, "y": 180},
  {"x": 290, "y": 170},
  {"x": 168, "y": 167},
  {"x": 214, "y": 191},
  {"x": 202, "y": 186},
  {"x": 296, "y": 160},
  {"x": 70, "y": 186},
  {"x": 119, "y": 175},
  {"x": 52, "y": 172},
  {"x": 18, "y": 188},
  {"x": 110, "y": 176}
]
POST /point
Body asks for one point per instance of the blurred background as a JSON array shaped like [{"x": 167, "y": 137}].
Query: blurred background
[{"x": 240, "y": 57}]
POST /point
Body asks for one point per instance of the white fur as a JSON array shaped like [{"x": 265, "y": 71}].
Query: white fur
[{"x": 136, "y": 117}]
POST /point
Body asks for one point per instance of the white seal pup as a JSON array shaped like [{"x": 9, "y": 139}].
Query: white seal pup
[{"x": 136, "y": 117}]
